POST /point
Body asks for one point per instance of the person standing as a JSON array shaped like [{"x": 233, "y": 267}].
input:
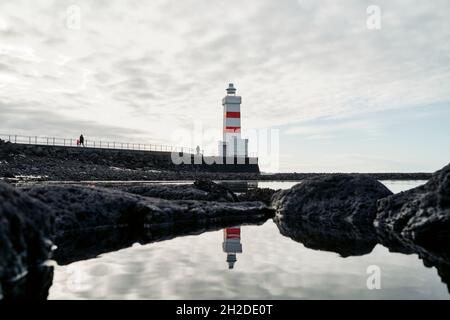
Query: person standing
[{"x": 81, "y": 140}]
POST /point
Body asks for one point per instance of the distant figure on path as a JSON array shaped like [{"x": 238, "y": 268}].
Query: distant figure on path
[
  {"x": 198, "y": 149},
  {"x": 82, "y": 140}
]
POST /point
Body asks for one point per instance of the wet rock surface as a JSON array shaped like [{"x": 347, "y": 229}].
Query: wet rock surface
[
  {"x": 258, "y": 194},
  {"x": 332, "y": 213},
  {"x": 26, "y": 226},
  {"x": 81, "y": 208},
  {"x": 421, "y": 214},
  {"x": 176, "y": 192},
  {"x": 201, "y": 189},
  {"x": 217, "y": 191},
  {"x": 331, "y": 199}
]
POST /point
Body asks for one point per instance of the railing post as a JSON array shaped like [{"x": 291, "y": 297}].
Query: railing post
[
  {"x": 35, "y": 139},
  {"x": 15, "y": 138},
  {"x": 47, "y": 141},
  {"x": 53, "y": 141}
]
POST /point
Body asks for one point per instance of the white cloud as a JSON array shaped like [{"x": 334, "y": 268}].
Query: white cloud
[{"x": 152, "y": 66}]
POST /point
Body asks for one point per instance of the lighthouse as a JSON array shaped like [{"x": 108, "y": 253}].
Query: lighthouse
[
  {"x": 232, "y": 144},
  {"x": 232, "y": 244}
]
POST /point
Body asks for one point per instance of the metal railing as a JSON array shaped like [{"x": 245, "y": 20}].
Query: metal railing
[{"x": 99, "y": 144}]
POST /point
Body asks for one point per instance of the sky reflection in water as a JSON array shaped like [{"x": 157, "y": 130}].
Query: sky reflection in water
[{"x": 270, "y": 266}]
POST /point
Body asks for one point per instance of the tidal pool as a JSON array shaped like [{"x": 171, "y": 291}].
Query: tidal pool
[{"x": 247, "y": 262}]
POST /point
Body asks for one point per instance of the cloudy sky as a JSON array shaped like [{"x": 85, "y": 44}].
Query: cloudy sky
[{"x": 341, "y": 96}]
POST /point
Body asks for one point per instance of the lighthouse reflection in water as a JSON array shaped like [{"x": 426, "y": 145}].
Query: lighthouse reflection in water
[{"x": 232, "y": 245}]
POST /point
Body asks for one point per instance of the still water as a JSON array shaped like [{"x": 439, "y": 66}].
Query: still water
[{"x": 250, "y": 262}]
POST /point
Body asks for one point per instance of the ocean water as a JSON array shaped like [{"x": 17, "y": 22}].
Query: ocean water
[{"x": 266, "y": 265}]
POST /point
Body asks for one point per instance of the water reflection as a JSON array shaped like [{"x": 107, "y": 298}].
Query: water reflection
[
  {"x": 189, "y": 265},
  {"x": 265, "y": 271},
  {"x": 342, "y": 237},
  {"x": 273, "y": 267},
  {"x": 232, "y": 245},
  {"x": 34, "y": 285}
]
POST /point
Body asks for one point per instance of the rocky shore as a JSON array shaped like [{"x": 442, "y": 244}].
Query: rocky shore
[
  {"x": 34, "y": 218},
  {"x": 350, "y": 214},
  {"x": 333, "y": 213},
  {"x": 345, "y": 213},
  {"x": 20, "y": 163}
]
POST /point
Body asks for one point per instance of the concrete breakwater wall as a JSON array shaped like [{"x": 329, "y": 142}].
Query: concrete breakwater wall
[{"x": 130, "y": 159}]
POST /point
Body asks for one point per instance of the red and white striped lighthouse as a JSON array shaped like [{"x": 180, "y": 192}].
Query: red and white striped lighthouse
[
  {"x": 232, "y": 244},
  {"x": 232, "y": 144}
]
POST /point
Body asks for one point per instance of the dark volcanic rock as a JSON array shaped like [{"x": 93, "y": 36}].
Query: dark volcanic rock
[
  {"x": 258, "y": 194},
  {"x": 421, "y": 214},
  {"x": 179, "y": 192},
  {"x": 335, "y": 197},
  {"x": 8, "y": 174},
  {"x": 81, "y": 208},
  {"x": 333, "y": 213},
  {"x": 26, "y": 226},
  {"x": 418, "y": 221},
  {"x": 216, "y": 190}
]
